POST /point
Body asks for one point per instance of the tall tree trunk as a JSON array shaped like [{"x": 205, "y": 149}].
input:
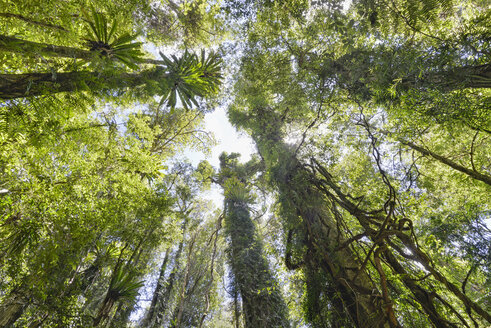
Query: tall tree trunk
[
  {"x": 149, "y": 318},
  {"x": 163, "y": 302},
  {"x": 109, "y": 299},
  {"x": 353, "y": 285},
  {"x": 237, "y": 311},
  {"x": 263, "y": 305},
  {"x": 14, "y": 86},
  {"x": 185, "y": 282},
  {"x": 307, "y": 211},
  {"x": 30, "y": 48},
  {"x": 12, "y": 308},
  {"x": 122, "y": 316},
  {"x": 428, "y": 299}
]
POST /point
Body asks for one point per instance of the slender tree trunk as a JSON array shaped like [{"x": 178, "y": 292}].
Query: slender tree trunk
[
  {"x": 109, "y": 299},
  {"x": 122, "y": 316},
  {"x": 37, "y": 84},
  {"x": 185, "y": 282},
  {"x": 165, "y": 297},
  {"x": 212, "y": 271},
  {"x": 32, "y": 21},
  {"x": 236, "y": 307},
  {"x": 30, "y": 48},
  {"x": 149, "y": 318},
  {"x": 473, "y": 174}
]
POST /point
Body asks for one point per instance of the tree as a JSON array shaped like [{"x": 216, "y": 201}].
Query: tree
[
  {"x": 262, "y": 303},
  {"x": 101, "y": 41},
  {"x": 327, "y": 182},
  {"x": 186, "y": 77}
]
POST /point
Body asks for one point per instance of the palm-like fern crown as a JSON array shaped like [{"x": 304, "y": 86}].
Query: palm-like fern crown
[
  {"x": 124, "y": 285},
  {"x": 187, "y": 77},
  {"x": 191, "y": 76},
  {"x": 103, "y": 39}
]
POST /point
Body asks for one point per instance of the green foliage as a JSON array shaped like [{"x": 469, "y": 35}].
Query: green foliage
[
  {"x": 191, "y": 76},
  {"x": 102, "y": 39},
  {"x": 236, "y": 191},
  {"x": 124, "y": 285},
  {"x": 372, "y": 127}
]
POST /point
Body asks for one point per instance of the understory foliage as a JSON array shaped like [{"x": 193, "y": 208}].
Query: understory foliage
[{"x": 366, "y": 205}]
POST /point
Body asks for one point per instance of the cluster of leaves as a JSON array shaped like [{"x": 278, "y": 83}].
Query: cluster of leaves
[
  {"x": 192, "y": 76},
  {"x": 102, "y": 39}
]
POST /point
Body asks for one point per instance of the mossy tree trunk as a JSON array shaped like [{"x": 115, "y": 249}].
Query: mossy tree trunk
[
  {"x": 14, "y": 86},
  {"x": 262, "y": 303}
]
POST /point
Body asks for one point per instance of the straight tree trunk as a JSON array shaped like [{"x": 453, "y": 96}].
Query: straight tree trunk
[
  {"x": 263, "y": 305},
  {"x": 30, "y": 48},
  {"x": 163, "y": 302},
  {"x": 237, "y": 312},
  {"x": 185, "y": 282},
  {"x": 14, "y": 86},
  {"x": 149, "y": 318}
]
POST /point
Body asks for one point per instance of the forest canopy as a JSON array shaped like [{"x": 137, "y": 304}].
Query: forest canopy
[{"x": 367, "y": 202}]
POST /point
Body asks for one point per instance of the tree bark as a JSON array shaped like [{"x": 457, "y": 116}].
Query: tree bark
[
  {"x": 12, "y": 308},
  {"x": 462, "y": 77},
  {"x": 32, "y": 21},
  {"x": 185, "y": 283},
  {"x": 163, "y": 302},
  {"x": 306, "y": 207},
  {"x": 473, "y": 174},
  {"x": 263, "y": 305},
  {"x": 148, "y": 321},
  {"x": 356, "y": 289},
  {"x": 12, "y": 44},
  {"x": 14, "y": 86}
]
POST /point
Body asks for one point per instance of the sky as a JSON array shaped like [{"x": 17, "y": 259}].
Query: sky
[{"x": 228, "y": 140}]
